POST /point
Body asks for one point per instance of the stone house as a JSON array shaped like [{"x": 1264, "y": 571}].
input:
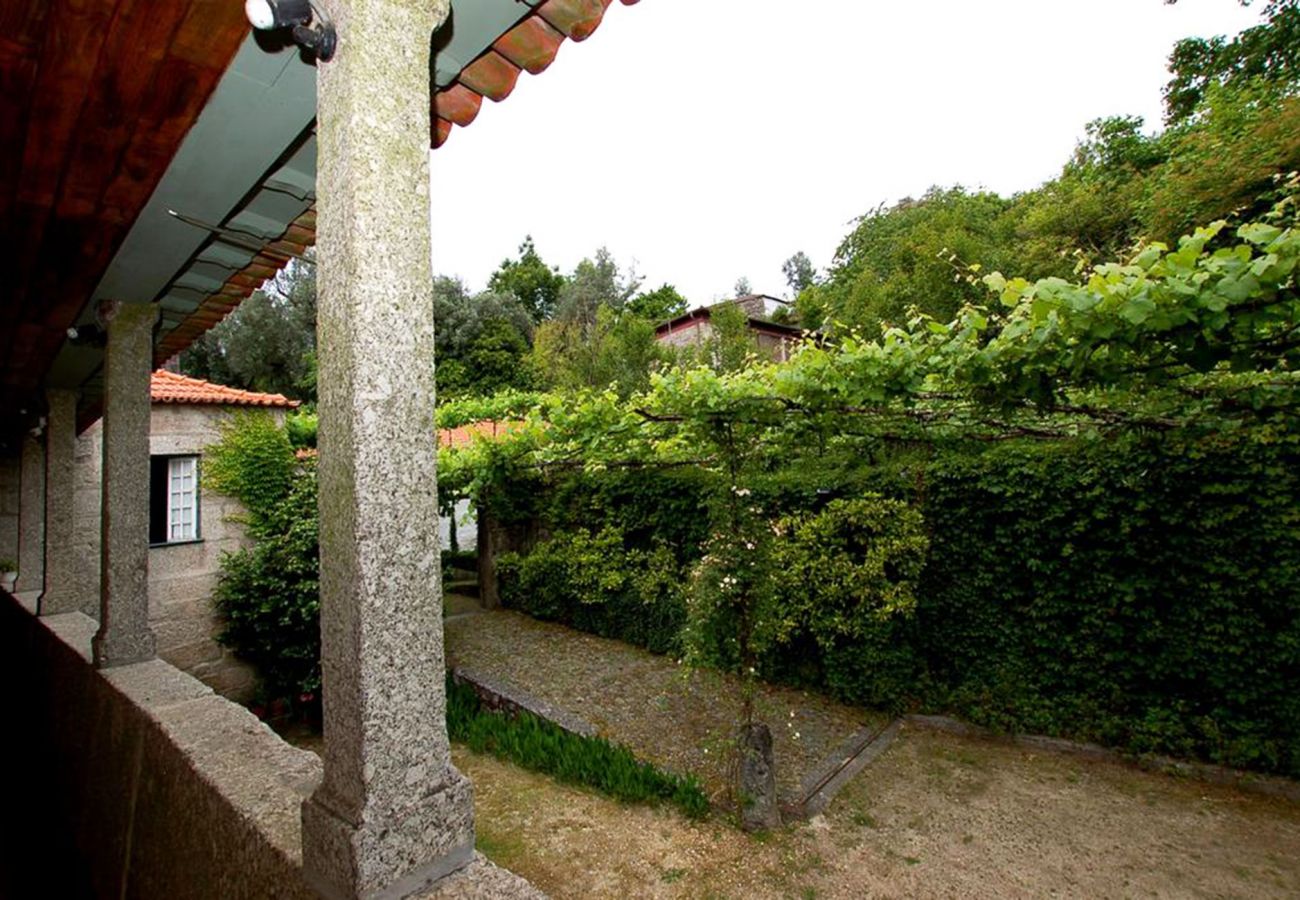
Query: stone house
[
  {"x": 775, "y": 340},
  {"x": 189, "y": 527}
]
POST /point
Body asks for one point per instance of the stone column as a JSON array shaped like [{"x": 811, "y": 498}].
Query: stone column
[
  {"x": 392, "y": 814},
  {"x": 31, "y": 516},
  {"x": 61, "y": 584},
  {"x": 124, "y": 634}
]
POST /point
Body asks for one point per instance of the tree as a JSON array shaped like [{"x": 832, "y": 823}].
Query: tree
[
  {"x": 595, "y": 283},
  {"x": 268, "y": 343},
  {"x": 743, "y": 288},
  {"x": 658, "y": 305},
  {"x": 483, "y": 340},
  {"x": 536, "y": 285},
  {"x": 910, "y": 256},
  {"x": 1268, "y": 52},
  {"x": 799, "y": 273}
]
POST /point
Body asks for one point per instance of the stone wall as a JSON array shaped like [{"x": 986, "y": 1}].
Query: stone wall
[
  {"x": 181, "y": 576},
  {"x": 158, "y": 787},
  {"x": 9, "y": 507}
]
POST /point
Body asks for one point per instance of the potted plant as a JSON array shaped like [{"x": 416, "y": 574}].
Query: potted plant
[{"x": 8, "y": 574}]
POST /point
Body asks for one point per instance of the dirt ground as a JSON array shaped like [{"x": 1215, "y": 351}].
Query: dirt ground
[
  {"x": 680, "y": 720},
  {"x": 936, "y": 816}
]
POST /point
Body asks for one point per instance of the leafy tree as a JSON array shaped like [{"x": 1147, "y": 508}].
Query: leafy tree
[
  {"x": 528, "y": 278},
  {"x": 483, "y": 340},
  {"x": 658, "y": 305},
  {"x": 1268, "y": 52},
  {"x": 268, "y": 342},
  {"x": 595, "y": 283},
  {"x": 799, "y": 273},
  {"x": 743, "y": 287},
  {"x": 1226, "y": 160},
  {"x": 910, "y": 256},
  {"x": 1093, "y": 210}
]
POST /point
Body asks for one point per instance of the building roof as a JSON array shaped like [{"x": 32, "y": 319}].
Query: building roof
[
  {"x": 703, "y": 313},
  {"x": 529, "y": 46},
  {"x": 161, "y": 153},
  {"x": 169, "y": 387}
]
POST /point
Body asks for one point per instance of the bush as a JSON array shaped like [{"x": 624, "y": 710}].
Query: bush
[
  {"x": 593, "y": 583},
  {"x": 541, "y": 746},
  {"x": 269, "y": 593},
  {"x": 1140, "y": 592}
]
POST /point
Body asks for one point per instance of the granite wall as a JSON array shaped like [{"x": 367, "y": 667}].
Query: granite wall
[
  {"x": 159, "y": 787},
  {"x": 181, "y": 576}
]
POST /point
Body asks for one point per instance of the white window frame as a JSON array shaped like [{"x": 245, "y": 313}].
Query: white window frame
[{"x": 182, "y": 499}]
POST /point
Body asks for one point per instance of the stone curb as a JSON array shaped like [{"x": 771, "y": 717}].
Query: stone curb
[
  {"x": 818, "y": 788},
  {"x": 500, "y": 697},
  {"x": 1251, "y": 782}
]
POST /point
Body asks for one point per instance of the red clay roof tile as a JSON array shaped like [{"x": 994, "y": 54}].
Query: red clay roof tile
[{"x": 169, "y": 387}]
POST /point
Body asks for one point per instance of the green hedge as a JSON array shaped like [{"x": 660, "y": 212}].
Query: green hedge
[{"x": 1143, "y": 593}]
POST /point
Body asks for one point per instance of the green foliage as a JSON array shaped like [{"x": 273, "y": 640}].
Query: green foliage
[
  {"x": 1221, "y": 163},
  {"x": 1269, "y": 52},
  {"x": 268, "y": 343},
  {"x": 658, "y": 305},
  {"x": 8, "y": 565},
  {"x": 846, "y": 568},
  {"x": 593, "y": 583},
  {"x": 269, "y": 595},
  {"x": 799, "y": 273},
  {"x": 535, "y": 284},
  {"x": 300, "y": 426},
  {"x": 1122, "y": 567},
  {"x": 536, "y": 744},
  {"x": 1140, "y": 593},
  {"x": 615, "y": 350},
  {"x": 483, "y": 340},
  {"x": 909, "y": 256},
  {"x": 253, "y": 462}
]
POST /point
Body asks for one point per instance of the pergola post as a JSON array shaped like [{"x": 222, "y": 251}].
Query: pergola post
[
  {"x": 392, "y": 814},
  {"x": 124, "y": 634},
  {"x": 31, "y": 516},
  {"x": 61, "y": 585}
]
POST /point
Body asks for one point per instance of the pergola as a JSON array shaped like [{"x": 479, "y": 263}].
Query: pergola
[{"x": 159, "y": 161}]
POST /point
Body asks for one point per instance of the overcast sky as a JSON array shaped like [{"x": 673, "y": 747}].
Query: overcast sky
[{"x": 705, "y": 140}]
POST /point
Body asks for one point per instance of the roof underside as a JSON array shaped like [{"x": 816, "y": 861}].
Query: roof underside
[{"x": 115, "y": 113}]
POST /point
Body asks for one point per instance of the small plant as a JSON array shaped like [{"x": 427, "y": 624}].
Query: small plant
[
  {"x": 8, "y": 565},
  {"x": 541, "y": 746}
]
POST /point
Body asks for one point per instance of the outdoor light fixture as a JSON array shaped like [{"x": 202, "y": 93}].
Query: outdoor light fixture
[{"x": 298, "y": 15}]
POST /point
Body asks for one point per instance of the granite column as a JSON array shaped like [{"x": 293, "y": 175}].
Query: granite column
[
  {"x": 61, "y": 582},
  {"x": 31, "y": 516},
  {"x": 124, "y": 634},
  {"x": 392, "y": 814}
]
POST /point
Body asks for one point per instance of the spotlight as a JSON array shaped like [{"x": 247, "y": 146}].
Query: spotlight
[{"x": 298, "y": 15}]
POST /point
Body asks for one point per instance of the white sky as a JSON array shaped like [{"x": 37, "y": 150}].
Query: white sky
[{"x": 703, "y": 140}]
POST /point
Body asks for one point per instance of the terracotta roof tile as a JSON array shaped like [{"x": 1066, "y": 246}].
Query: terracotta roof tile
[
  {"x": 447, "y": 437},
  {"x": 169, "y": 387}
]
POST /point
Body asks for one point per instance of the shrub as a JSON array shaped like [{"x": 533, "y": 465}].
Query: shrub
[
  {"x": 591, "y": 582},
  {"x": 253, "y": 462},
  {"x": 269, "y": 593}
]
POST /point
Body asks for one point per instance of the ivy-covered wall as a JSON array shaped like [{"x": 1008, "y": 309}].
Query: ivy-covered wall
[{"x": 1144, "y": 593}]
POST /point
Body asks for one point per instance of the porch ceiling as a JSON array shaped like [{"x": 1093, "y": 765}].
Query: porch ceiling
[{"x": 115, "y": 112}]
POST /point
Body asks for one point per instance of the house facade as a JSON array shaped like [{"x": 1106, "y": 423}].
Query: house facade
[
  {"x": 190, "y": 527},
  {"x": 773, "y": 339}
]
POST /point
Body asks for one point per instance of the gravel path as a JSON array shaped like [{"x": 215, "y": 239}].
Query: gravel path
[{"x": 681, "y": 720}]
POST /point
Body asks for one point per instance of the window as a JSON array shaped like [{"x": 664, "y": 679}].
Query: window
[{"x": 173, "y": 499}]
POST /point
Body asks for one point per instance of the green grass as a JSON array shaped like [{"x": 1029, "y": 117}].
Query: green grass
[{"x": 538, "y": 745}]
